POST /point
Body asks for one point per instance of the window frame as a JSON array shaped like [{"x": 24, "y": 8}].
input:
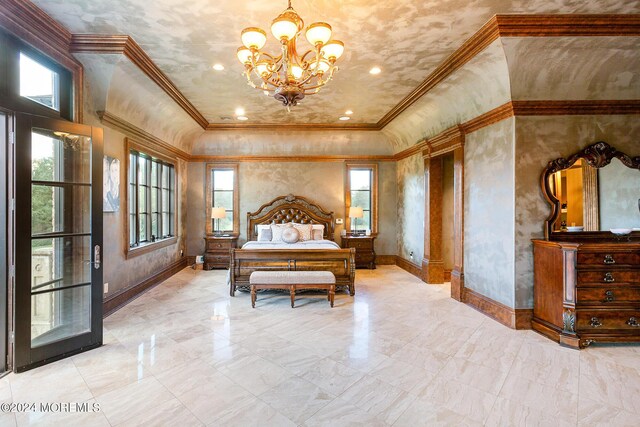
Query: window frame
[
  {"x": 160, "y": 159},
  {"x": 10, "y": 49},
  {"x": 209, "y": 196},
  {"x": 373, "y": 168}
]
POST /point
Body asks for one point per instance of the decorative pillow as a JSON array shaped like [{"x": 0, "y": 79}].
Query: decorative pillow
[
  {"x": 317, "y": 231},
  {"x": 276, "y": 231},
  {"x": 290, "y": 235},
  {"x": 264, "y": 233},
  {"x": 304, "y": 230}
]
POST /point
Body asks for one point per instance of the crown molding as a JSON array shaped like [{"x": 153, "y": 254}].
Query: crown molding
[
  {"x": 125, "y": 45},
  {"x": 250, "y": 158},
  {"x": 573, "y": 108},
  {"x": 142, "y": 136},
  {"x": 518, "y": 26},
  {"x": 291, "y": 127},
  {"x": 523, "y": 109}
]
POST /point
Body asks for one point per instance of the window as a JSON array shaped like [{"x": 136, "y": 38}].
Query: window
[
  {"x": 33, "y": 83},
  {"x": 222, "y": 192},
  {"x": 361, "y": 190},
  {"x": 151, "y": 199},
  {"x": 39, "y": 83}
]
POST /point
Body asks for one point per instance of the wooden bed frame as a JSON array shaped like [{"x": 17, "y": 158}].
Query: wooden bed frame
[{"x": 281, "y": 210}]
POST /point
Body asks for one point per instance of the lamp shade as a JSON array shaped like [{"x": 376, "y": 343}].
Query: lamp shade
[
  {"x": 284, "y": 27},
  {"x": 244, "y": 55},
  {"x": 218, "y": 213},
  {"x": 318, "y": 33},
  {"x": 253, "y": 37},
  {"x": 355, "y": 212},
  {"x": 333, "y": 50}
]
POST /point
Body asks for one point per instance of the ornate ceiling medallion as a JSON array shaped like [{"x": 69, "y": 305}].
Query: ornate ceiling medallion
[{"x": 290, "y": 76}]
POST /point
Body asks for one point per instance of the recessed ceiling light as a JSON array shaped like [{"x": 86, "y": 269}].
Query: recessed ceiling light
[
  {"x": 343, "y": 118},
  {"x": 348, "y": 112},
  {"x": 218, "y": 67},
  {"x": 242, "y": 118},
  {"x": 239, "y": 111},
  {"x": 375, "y": 70}
]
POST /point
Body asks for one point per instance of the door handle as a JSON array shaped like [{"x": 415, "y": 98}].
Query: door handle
[{"x": 96, "y": 257}]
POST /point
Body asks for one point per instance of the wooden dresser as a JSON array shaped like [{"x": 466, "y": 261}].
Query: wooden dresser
[
  {"x": 217, "y": 251},
  {"x": 587, "y": 292},
  {"x": 365, "y": 252}
]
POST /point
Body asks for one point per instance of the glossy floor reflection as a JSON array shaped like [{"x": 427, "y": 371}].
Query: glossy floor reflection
[{"x": 399, "y": 353}]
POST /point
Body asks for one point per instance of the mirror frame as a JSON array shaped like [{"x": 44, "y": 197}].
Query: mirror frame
[{"x": 596, "y": 155}]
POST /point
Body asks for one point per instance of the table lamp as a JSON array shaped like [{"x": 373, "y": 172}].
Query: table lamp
[
  {"x": 356, "y": 212},
  {"x": 217, "y": 214}
]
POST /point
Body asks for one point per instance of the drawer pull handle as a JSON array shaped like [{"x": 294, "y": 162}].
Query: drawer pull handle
[
  {"x": 595, "y": 322},
  {"x": 608, "y": 296},
  {"x": 608, "y": 259},
  {"x": 633, "y": 322},
  {"x": 608, "y": 278}
]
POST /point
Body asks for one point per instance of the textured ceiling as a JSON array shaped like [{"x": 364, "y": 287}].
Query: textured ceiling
[{"x": 406, "y": 38}]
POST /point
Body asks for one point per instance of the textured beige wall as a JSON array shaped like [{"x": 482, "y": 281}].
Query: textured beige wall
[
  {"x": 322, "y": 182},
  {"x": 410, "y": 178},
  {"x": 489, "y": 211},
  {"x": 119, "y": 272},
  {"x": 538, "y": 141},
  {"x": 291, "y": 143}
]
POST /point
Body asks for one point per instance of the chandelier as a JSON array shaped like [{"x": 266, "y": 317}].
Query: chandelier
[{"x": 290, "y": 76}]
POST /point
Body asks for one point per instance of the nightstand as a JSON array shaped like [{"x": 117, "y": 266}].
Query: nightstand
[
  {"x": 217, "y": 251},
  {"x": 365, "y": 253}
]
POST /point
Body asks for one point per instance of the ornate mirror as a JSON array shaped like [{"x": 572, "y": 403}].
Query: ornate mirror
[{"x": 592, "y": 191}]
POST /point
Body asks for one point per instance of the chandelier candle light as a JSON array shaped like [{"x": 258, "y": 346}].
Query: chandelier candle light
[{"x": 290, "y": 76}]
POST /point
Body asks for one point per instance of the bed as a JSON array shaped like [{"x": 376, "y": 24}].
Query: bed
[{"x": 321, "y": 255}]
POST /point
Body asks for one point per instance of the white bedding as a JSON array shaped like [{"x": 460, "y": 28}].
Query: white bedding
[{"x": 310, "y": 244}]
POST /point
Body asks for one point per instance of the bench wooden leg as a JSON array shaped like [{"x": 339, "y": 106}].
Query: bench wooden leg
[
  {"x": 253, "y": 296},
  {"x": 292, "y": 292},
  {"x": 332, "y": 293}
]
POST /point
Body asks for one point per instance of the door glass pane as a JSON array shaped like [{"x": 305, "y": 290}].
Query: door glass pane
[
  {"x": 60, "y": 314},
  {"x": 60, "y": 157},
  {"x": 60, "y": 262},
  {"x": 60, "y": 209},
  {"x": 39, "y": 83}
]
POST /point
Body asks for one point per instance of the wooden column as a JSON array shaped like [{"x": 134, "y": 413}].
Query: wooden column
[
  {"x": 457, "y": 274},
  {"x": 432, "y": 263}
]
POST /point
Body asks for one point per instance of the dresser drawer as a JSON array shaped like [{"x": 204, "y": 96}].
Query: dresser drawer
[
  {"x": 213, "y": 245},
  {"x": 608, "y": 258},
  {"x": 360, "y": 244},
  {"x": 609, "y": 277},
  {"x": 605, "y": 320},
  {"x": 608, "y": 295}
]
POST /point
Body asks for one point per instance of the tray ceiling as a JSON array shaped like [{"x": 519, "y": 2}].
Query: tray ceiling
[{"x": 406, "y": 38}]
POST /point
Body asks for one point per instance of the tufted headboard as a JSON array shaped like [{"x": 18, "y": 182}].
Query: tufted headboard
[{"x": 289, "y": 208}]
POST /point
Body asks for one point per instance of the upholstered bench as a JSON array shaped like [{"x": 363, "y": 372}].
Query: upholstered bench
[{"x": 292, "y": 280}]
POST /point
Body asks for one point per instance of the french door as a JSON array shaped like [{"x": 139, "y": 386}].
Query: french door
[{"x": 57, "y": 239}]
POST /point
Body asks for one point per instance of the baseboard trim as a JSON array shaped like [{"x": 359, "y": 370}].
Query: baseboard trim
[
  {"x": 512, "y": 318},
  {"x": 122, "y": 298},
  {"x": 410, "y": 267},
  {"x": 385, "y": 260},
  {"x": 447, "y": 275}
]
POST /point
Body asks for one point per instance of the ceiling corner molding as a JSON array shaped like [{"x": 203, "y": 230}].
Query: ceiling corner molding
[
  {"x": 291, "y": 127},
  {"x": 31, "y": 24},
  {"x": 308, "y": 158},
  {"x": 575, "y": 25},
  {"x": 490, "y": 117},
  {"x": 142, "y": 136},
  {"x": 473, "y": 46},
  {"x": 574, "y": 108},
  {"x": 518, "y": 26},
  {"x": 125, "y": 45}
]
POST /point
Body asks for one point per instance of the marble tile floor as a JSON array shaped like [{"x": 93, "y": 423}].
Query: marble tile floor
[{"x": 399, "y": 353}]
